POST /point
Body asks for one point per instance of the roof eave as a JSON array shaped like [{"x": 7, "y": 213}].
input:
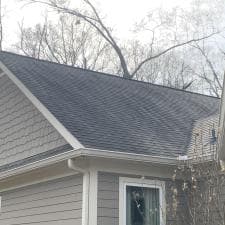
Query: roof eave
[{"x": 91, "y": 153}]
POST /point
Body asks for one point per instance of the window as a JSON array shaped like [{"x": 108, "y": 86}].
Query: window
[{"x": 142, "y": 202}]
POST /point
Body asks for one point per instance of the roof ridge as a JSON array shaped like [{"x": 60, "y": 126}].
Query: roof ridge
[{"x": 111, "y": 75}]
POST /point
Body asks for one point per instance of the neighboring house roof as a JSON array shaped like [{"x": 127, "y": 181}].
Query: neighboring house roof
[{"x": 111, "y": 113}]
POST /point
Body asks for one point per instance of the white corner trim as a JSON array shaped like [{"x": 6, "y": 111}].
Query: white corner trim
[
  {"x": 47, "y": 114},
  {"x": 85, "y": 198},
  {"x": 221, "y": 133},
  {"x": 93, "y": 196},
  {"x": 126, "y": 181}
]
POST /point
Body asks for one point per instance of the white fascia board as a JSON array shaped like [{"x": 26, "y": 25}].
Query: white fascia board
[
  {"x": 92, "y": 153},
  {"x": 128, "y": 156},
  {"x": 41, "y": 163},
  {"x": 46, "y": 113}
]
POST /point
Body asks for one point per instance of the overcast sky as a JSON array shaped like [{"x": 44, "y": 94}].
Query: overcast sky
[{"x": 121, "y": 14}]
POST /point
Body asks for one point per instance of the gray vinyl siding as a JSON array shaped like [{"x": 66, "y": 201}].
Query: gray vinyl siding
[
  {"x": 108, "y": 200},
  {"x": 57, "y": 202},
  {"x": 201, "y": 144},
  {"x": 24, "y": 131}
]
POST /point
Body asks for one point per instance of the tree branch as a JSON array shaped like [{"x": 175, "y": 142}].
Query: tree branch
[
  {"x": 169, "y": 49},
  {"x": 210, "y": 66}
]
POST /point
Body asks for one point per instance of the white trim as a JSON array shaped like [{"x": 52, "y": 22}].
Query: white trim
[
  {"x": 85, "y": 198},
  {"x": 129, "y": 156},
  {"x": 47, "y": 114},
  {"x": 138, "y": 169},
  {"x": 40, "y": 163},
  {"x": 39, "y": 181},
  {"x": 89, "y": 153},
  {"x": 93, "y": 192},
  {"x": 0, "y": 204},
  {"x": 72, "y": 165},
  {"x": 221, "y": 133},
  {"x": 125, "y": 181}
]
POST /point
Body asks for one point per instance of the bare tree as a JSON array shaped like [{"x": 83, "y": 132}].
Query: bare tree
[
  {"x": 209, "y": 72},
  {"x": 201, "y": 181},
  {"x": 196, "y": 65},
  {"x": 207, "y": 55},
  {"x": 93, "y": 18},
  {"x": 203, "y": 185},
  {"x": 178, "y": 53},
  {"x": 1, "y": 27},
  {"x": 69, "y": 42}
]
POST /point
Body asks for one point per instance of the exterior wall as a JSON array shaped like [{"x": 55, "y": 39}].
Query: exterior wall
[
  {"x": 24, "y": 132},
  {"x": 54, "y": 202},
  {"x": 201, "y": 144},
  {"x": 222, "y": 125},
  {"x": 108, "y": 200}
]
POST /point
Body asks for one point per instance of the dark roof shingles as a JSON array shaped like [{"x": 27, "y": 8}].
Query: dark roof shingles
[{"x": 111, "y": 113}]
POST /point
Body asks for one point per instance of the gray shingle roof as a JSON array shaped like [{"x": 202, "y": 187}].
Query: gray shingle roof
[{"x": 111, "y": 113}]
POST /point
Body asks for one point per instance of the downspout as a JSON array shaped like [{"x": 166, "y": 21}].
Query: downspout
[
  {"x": 71, "y": 164},
  {"x": 86, "y": 189}
]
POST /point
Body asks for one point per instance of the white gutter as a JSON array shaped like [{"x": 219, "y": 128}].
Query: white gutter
[
  {"x": 193, "y": 160},
  {"x": 72, "y": 165},
  {"x": 88, "y": 152},
  {"x": 95, "y": 153},
  {"x": 41, "y": 163},
  {"x": 129, "y": 156}
]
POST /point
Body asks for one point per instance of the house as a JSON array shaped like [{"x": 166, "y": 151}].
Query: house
[
  {"x": 77, "y": 147},
  {"x": 222, "y": 129}
]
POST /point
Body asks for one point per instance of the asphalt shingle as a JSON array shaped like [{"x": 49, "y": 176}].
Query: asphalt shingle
[{"x": 107, "y": 112}]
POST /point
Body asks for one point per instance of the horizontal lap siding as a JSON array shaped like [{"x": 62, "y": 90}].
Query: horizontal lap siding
[
  {"x": 108, "y": 200},
  {"x": 24, "y": 131},
  {"x": 53, "y": 202}
]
